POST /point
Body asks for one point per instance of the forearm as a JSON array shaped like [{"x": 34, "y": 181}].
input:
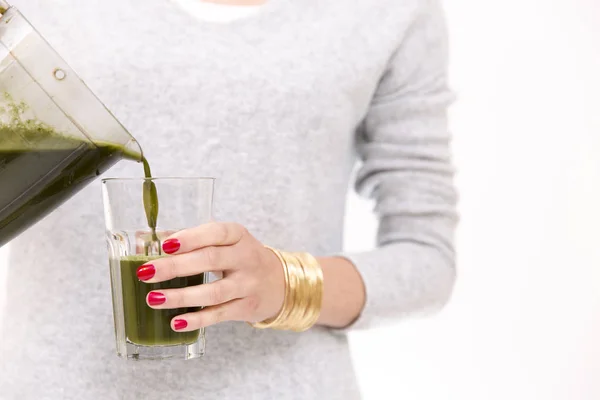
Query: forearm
[{"x": 344, "y": 292}]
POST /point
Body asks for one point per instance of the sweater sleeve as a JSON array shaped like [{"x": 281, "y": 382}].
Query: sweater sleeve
[{"x": 406, "y": 167}]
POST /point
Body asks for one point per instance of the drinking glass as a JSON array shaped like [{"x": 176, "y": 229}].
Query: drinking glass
[{"x": 143, "y": 333}]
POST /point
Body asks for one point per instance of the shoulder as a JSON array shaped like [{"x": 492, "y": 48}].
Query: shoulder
[{"x": 396, "y": 19}]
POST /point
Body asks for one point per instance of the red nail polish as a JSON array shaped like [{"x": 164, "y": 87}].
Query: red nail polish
[
  {"x": 180, "y": 324},
  {"x": 156, "y": 299},
  {"x": 170, "y": 246},
  {"x": 146, "y": 272}
]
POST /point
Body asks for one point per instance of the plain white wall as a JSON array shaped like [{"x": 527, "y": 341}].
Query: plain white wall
[{"x": 525, "y": 319}]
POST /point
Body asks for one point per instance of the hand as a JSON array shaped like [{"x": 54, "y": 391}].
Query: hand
[{"x": 252, "y": 288}]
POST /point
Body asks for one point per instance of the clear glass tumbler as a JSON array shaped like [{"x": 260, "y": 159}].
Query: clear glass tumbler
[{"x": 141, "y": 332}]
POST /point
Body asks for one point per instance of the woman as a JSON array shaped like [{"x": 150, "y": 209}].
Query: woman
[{"x": 274, "y": 105}]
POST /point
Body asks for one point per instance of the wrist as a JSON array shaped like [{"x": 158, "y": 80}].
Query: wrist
[{"x": 344, "y": 297}]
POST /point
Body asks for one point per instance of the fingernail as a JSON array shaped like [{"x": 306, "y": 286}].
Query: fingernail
[
  {"x": 180, "y": 324},
  {"x": 146, "y": 272},
  {"x": 156, "y": 299},
  {"x": 170, "y": 246}
]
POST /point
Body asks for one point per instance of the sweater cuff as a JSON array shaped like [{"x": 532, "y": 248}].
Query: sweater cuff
[{"x": 400, "y": 280}]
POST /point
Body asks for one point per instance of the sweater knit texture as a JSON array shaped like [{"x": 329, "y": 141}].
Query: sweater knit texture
[{"x": 280, "y": 108}]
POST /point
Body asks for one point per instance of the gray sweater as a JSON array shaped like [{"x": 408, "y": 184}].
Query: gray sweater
[{"x": 278, "y": 107}]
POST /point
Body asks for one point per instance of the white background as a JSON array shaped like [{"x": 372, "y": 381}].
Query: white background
[{"x": 525, "y": 319}]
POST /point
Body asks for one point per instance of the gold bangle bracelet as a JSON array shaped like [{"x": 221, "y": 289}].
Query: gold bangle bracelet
[
  {"x": 269, "y": 323},
  {"x": 314, "y": 278},
  {"x": 303, "y": 296},
  {"x": 293, "y": 283},
  {"x": 301, "y": 299}
]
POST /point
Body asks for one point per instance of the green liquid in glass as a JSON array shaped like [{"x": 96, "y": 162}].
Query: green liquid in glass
[{"x": 146, "y": 326}]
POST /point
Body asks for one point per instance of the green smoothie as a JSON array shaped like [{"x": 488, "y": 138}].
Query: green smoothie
[
  {"x": 39, "y": 174},
  {"x": 150, "y": 199},
  {"x": 146, "y": 326},
  {"x": 41, "y": 168}
]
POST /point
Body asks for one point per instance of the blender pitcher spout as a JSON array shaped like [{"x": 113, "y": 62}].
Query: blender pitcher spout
[{"x": 133, "y": 151}]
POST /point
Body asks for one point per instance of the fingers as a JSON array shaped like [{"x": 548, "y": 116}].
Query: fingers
[
  {"x": 208, "y": 259},
  {"x": 235, "y": 310},
  {"x": 209, "y": 294},
  {"x": 210, "y": 234}
]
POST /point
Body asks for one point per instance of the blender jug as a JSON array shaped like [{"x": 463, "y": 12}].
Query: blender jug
[{"x": 55, "y": 135}]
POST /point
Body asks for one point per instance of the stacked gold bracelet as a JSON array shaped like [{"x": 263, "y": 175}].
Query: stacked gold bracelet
[{"x": 303, "y": 293}]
